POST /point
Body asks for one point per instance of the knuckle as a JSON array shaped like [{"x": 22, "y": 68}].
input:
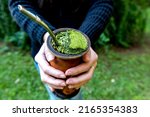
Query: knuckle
[
  {"x": 43, "y": 80},
  {"x": 95, "y": 63},
  {"x": 96, "y": 57},
  {"x": 36, "y": 58}
]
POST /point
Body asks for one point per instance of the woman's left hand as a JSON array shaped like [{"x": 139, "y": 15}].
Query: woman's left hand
[{"x": 82, "y": 73}]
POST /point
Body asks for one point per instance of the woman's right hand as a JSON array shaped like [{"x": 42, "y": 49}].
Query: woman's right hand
[{"x": 49, "y": 75}]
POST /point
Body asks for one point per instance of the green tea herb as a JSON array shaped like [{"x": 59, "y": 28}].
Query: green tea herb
[
  {"x": 77, "y": 40},
  {"x": 70, "y": 42}
]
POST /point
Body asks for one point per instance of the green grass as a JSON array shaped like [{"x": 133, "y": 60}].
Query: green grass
[
  {"x": 147, "y": 29},
  {"x": 18, "y": 77},
  {"x": 123, "y": 74}
]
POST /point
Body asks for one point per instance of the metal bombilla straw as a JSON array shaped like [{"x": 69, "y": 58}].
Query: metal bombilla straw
[{"x": 39, "y": 21}]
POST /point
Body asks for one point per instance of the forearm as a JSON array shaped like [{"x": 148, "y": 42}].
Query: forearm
[
  {"x": 35, "y": 31},
  {"x": 97, "y": 18}
]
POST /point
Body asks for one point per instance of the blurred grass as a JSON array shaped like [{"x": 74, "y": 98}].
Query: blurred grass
[
  {"x": 120, "y": 74},
  {"x": 147, "y": 29},
  {"x": 18, "y": 77}
]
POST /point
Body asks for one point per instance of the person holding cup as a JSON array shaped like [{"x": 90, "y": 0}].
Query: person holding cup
[{"x": 87, "y": 16}]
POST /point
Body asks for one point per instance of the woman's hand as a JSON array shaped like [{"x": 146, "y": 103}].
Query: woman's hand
[
  {"x": 49, "y": 75},
  {"x": 82, "y": 73}
]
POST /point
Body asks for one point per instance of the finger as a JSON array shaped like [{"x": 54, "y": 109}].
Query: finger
[
  {"x": 77, "y": 86},
  {"x": 47, "y": 69},
  {"x": 53, "y": 81},
  {"x": 49, "y": 56},
  {"x": 81, "y": 78},
  {"x": 56, "y": 83},
  {"x": 52, "y": 89},
  {"x": 45, "y": 66},
  {"x": 45, "y": 37},
  {"x": 81, "y": 68},
  {"x": 86, "y": 57}
]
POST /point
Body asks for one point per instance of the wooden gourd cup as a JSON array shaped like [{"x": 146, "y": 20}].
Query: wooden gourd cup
[{"x": 64, "y": 62}]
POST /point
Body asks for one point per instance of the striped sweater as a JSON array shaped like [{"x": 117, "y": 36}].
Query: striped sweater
[{"x": 88, "y": 16}]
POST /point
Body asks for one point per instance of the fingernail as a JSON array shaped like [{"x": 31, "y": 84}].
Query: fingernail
[{"x": 62, "y": 76}]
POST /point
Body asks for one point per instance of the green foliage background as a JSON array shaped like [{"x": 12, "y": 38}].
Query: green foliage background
[
  {"x": 126, "y": 27},
  {"x": 7, "y": 25},
  {"x": 128, "y": 21}
]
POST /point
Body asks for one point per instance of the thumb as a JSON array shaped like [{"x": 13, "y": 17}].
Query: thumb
[{"x": 49, "y": 56}]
